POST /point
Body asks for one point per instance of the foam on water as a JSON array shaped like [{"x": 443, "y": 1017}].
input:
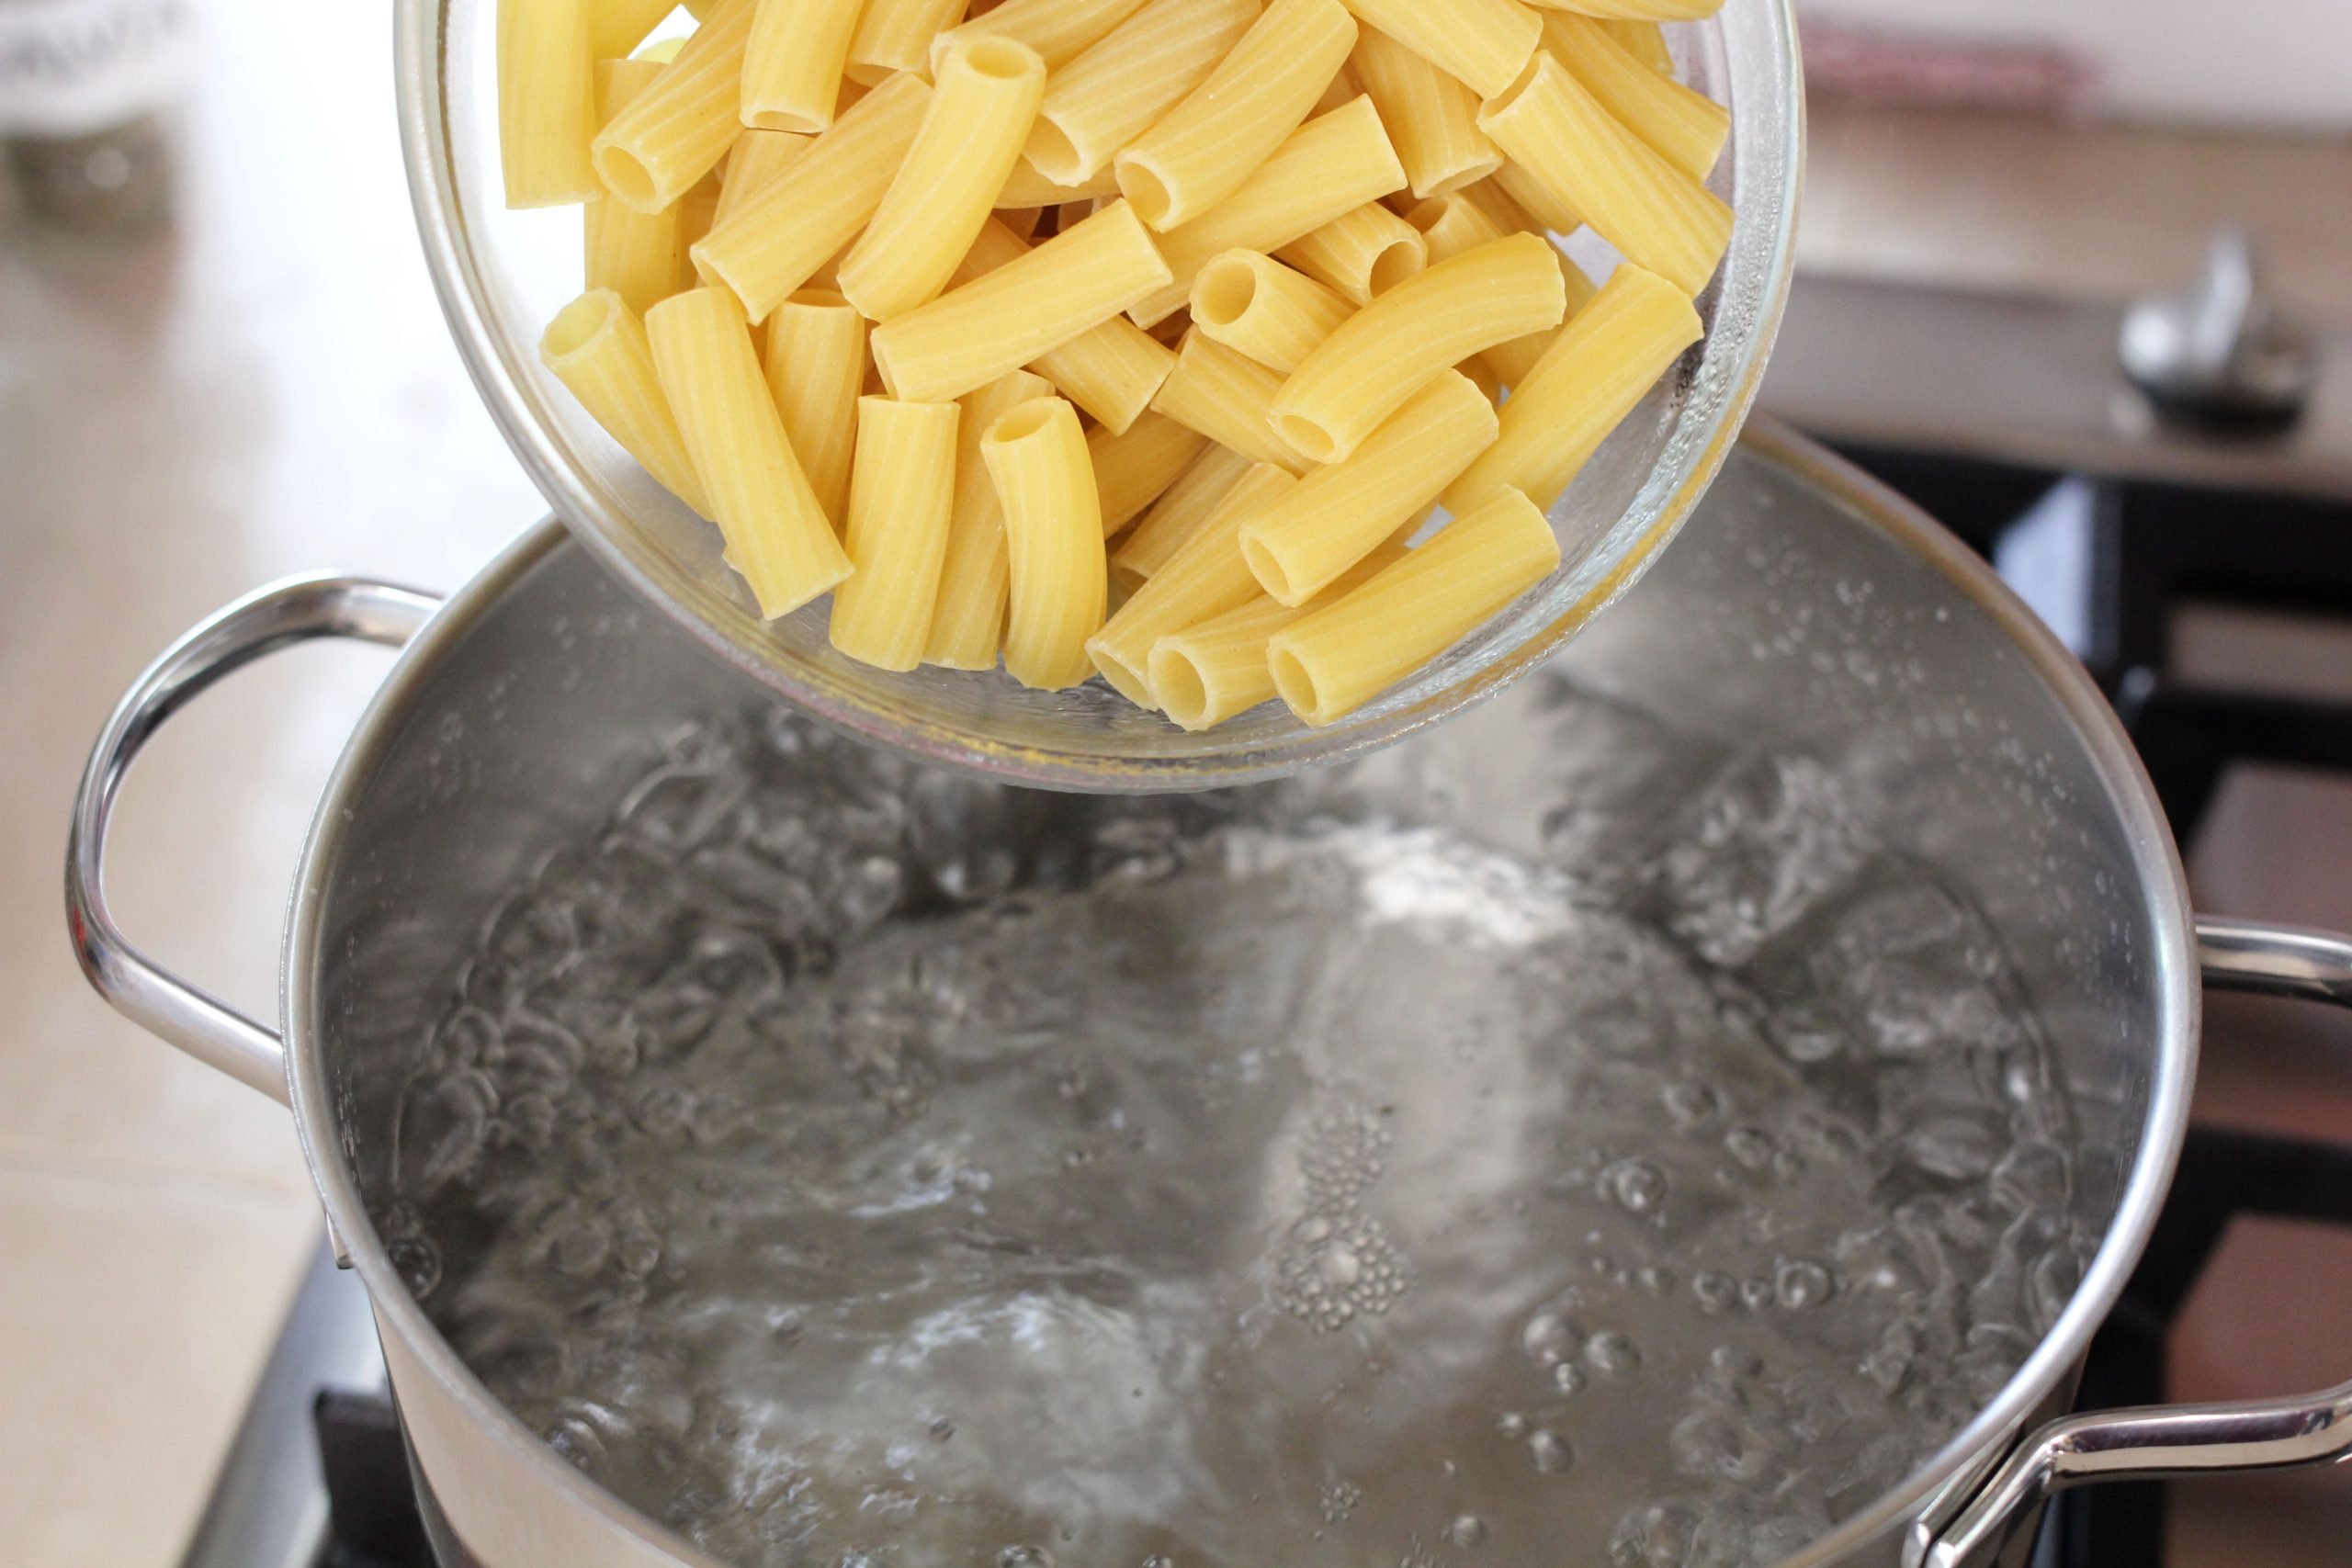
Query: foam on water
[{"x": 850, "y": 1165}]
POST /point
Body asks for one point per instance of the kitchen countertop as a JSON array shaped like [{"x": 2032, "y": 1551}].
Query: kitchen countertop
[{"x": 272, "y": 391}]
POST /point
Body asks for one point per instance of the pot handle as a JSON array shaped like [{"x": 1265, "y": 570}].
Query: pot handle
[
  {"x": 2162, "y": 1440},
  {"x": 264, "y": 621}
]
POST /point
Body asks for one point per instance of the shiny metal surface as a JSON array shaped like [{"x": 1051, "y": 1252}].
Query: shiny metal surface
[
  {"x": 502, "y": 276},
  {"x": 263, "y": 622},
  {"x": 2219, "y": 351},
  {"x": 2176, "y": 1440},
  {"x": 1810, "y": 611}
]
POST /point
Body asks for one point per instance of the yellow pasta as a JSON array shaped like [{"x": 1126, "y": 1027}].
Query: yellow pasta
[
  {"x": 1111, "y": 371},
  {"x": 1342, "y": 89},
  {"x": 1057, "y": 580},
  {"x": 1132, "y": 470},
  {"x": 1655, "y": 216},
  {"x": 1339, "y": 513},
  {"x": 1359, "y": 254},
  {"x": 547, "y": 101},
  {"x": 777, "y": 241},
  {"x": 1585, "y": 385},
  {"x": 895, "y": 35},
  {"x": 967, "y": 623},
  {"x": 982, "y": 104},
  {"x": 1206, "y": 577},
  {"x": 1333, "y": 662},
  {"x": 1128, "y": 78},
  {"x": 597, "y": 347},
  {"x": 1207, "y": 146},
  {"x": 633, "y": 254},
  {"x": 815, "y": 367},
  {"x": 1204, "y": 674},
  {"x": 1646, "y": 41},
  {"x": 675, "y": 131},
  {"x": 970, "y": 335},
  {"x": 1687, "y": 128},
  {"x": 698, "y": 210},
  {"x": 777, "y": 535},
  {"x": 1485, "y": 43},
  {"x": 1026, "y": 187},
  {"x": 1179, "y": 510},
  {"x": 1545, "y": 207},
  {"x": 1059, "y": 30},
  {"x": 1227, "y": 397},
  {"x": 757, "y": 161},
  {"x": 1643, "y": 10},
  {"x": 1256, "y": 306},
  {"x": 793, "y": 63},
  {"x": 1329, "y": 166},
  {"x": 897, "y": 539},
  {"x": 1431, "y": 117},
  {"x": 1365, "y": 371},
  {"x": 1454, "y": 222},
  {"x": 616, "y": 26}
]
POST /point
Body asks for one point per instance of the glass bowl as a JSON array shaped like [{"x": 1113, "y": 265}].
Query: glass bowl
[{"x": 502, "y": 275}]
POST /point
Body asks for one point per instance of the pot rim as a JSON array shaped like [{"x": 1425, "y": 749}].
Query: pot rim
[{"x": 2154, "y": 855}]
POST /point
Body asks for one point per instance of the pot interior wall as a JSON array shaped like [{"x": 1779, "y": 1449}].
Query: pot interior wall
[{"x": 1781, "y": 618}]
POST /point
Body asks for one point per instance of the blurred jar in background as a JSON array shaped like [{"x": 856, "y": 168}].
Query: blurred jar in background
[{"x": 85, "y": 86}]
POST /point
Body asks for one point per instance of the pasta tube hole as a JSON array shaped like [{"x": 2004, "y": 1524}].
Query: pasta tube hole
[
  {"x": 1292, "y": 681},
  {"x": 1183, "y": 695},
  {"x": 1146, "y": 191},
  {"x": 1053, "y": 154},
  {"x": 1501, "y": 103},
  {"x": 1306, "y": 437},
  {"x": 1021, "y": 423},
  {"x": 1226, "y": 290},
  {"x": 1266, "y": 568},
  {"x": 1003, "y": 60},
  {"x": 1398, "y": 260},
  {"x": 626, "y": 175},
  {"x": 578, "y": 323}
]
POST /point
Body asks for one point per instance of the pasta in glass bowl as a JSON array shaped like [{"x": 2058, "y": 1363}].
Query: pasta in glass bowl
[{"x": 503, "y": 275}]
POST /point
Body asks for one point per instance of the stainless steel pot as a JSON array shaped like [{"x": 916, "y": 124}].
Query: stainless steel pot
[{"x": 1807, "y": 607}]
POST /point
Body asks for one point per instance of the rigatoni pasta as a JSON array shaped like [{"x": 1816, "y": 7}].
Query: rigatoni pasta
[
  {"x": 1110, "y": 371},
  {"x": 1179, "y": 510},
  {"x": 757, "y": 161},
  {"x": 1204, "y": 674},
  {"x": 816, "y": 368},
  {"x": 1132, "y": 469},
  {"x": 793, "y": 61},
  {"x": 1365, "y": 252},
  {"x": 1058, "y": 580},
  {"x": 1256, "y": 306},
  {"x": 597, "y": 347},
  {"x": 1687, "y": 128},
  {"x": 1484, "y": 43},
  {"x": 900, "y": 506},
  {"x": 1645, "y": 40},
  {"x": 633, "y": 254},
  {"x": 675, "y": 131},
  {"x": 547, "y": 101},
  {"x": 1431, "y": 117},
  {"x": 896, "y": 35},
  {"x": 616, "y": 26},
  {"x": 1110, "y": 95},
  {"x": 967, "y": 620},
  {"x": 1228, "y": 398},
  {"x": 1057, "y": 29}
]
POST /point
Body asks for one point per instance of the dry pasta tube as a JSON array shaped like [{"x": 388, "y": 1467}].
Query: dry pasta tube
[
  {"x": 616, "y": 26},
  {"x": 1132, "y": 470},
  {"x": 1359, "y": 254},
  {"x": 1378, "y": 357},
  {"x": 1227, "y": 397},
  {"x": 1646, "y": 41},
  {"x": 1585, "y": 385},
  {"x": 1256, "y": 306},
  {"x": 597, "y": 347},
  {"x": 676, "y": 130},
  {"x": 1053, "y": 531},
  {"x": 777, "y": 535},
  {"x": 1059, "y": 30},
  {"x": 793, "y": 63},
  {"x": 1431, "y": 117},
  {"x": 968, "y": 622},
  {"x": 982, "y": 105},
  {"x": 757, "y": 161},
  {"x": 547, "y": 101},
  {"x": 1485, "y": 43},
  {"x": 1026, "y": 187},
  {"x": 1204, "y": 148},
  {"x": 1645, "y": 10},
  {"x": 1512, "y": 362},
  {"x": 1658, "y": 217},
  {"x": 895, "y": 35},
  {"x": 1340, "y": 656},
  {"x": 1032, "y": 305},
  {"x": 1338, "y": 513},
  {"x": 816, "y": 368},
  {"x": 1110, "y": 371},
  {"x": 1544, "y": 208},
  {"x": 1205, "y": 578},
  {"x": 1177, "y": 514},
  {"x": 899, "y": 509},
  {"x": 777, "y": 240},
  {"x": 633, "y": 254},
  {"x": 1329, "y": 166},
  {"x": 1687, "y": 128},
  {"x": 1456, "y": 222},
  {"x": 1133, "y": 75},
  {"x": 1207, "y": 673}
]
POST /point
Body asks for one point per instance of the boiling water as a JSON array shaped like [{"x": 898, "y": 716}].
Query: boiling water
[{"x": 853, "y": 1166}]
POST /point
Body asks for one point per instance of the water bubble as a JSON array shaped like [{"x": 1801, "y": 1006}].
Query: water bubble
[
  {"x": 1511, "y": 1423},
  {"x": 1549, "y": 1452},
  {"x": 1636, "y": 1186},
  {"x": 941, "y": 1428},
  {"x": 1715, "y": 1291},
  {"x": 1568, "y": 1378},
  {"x": 1466, "y": 1530},
  {"x": 1338, "y": 1500},
  {"x": 1799, "y": 1282},
  {"x": 1024, "y": 1557},
  {"x": 1751, "y": 1146},
  {"x": 1548, "y": 1338},
  {"x": 1612, "y": 1355}
]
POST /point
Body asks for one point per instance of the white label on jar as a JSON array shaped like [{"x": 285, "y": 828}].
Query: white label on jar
[{"x": 70, "y": 67}]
